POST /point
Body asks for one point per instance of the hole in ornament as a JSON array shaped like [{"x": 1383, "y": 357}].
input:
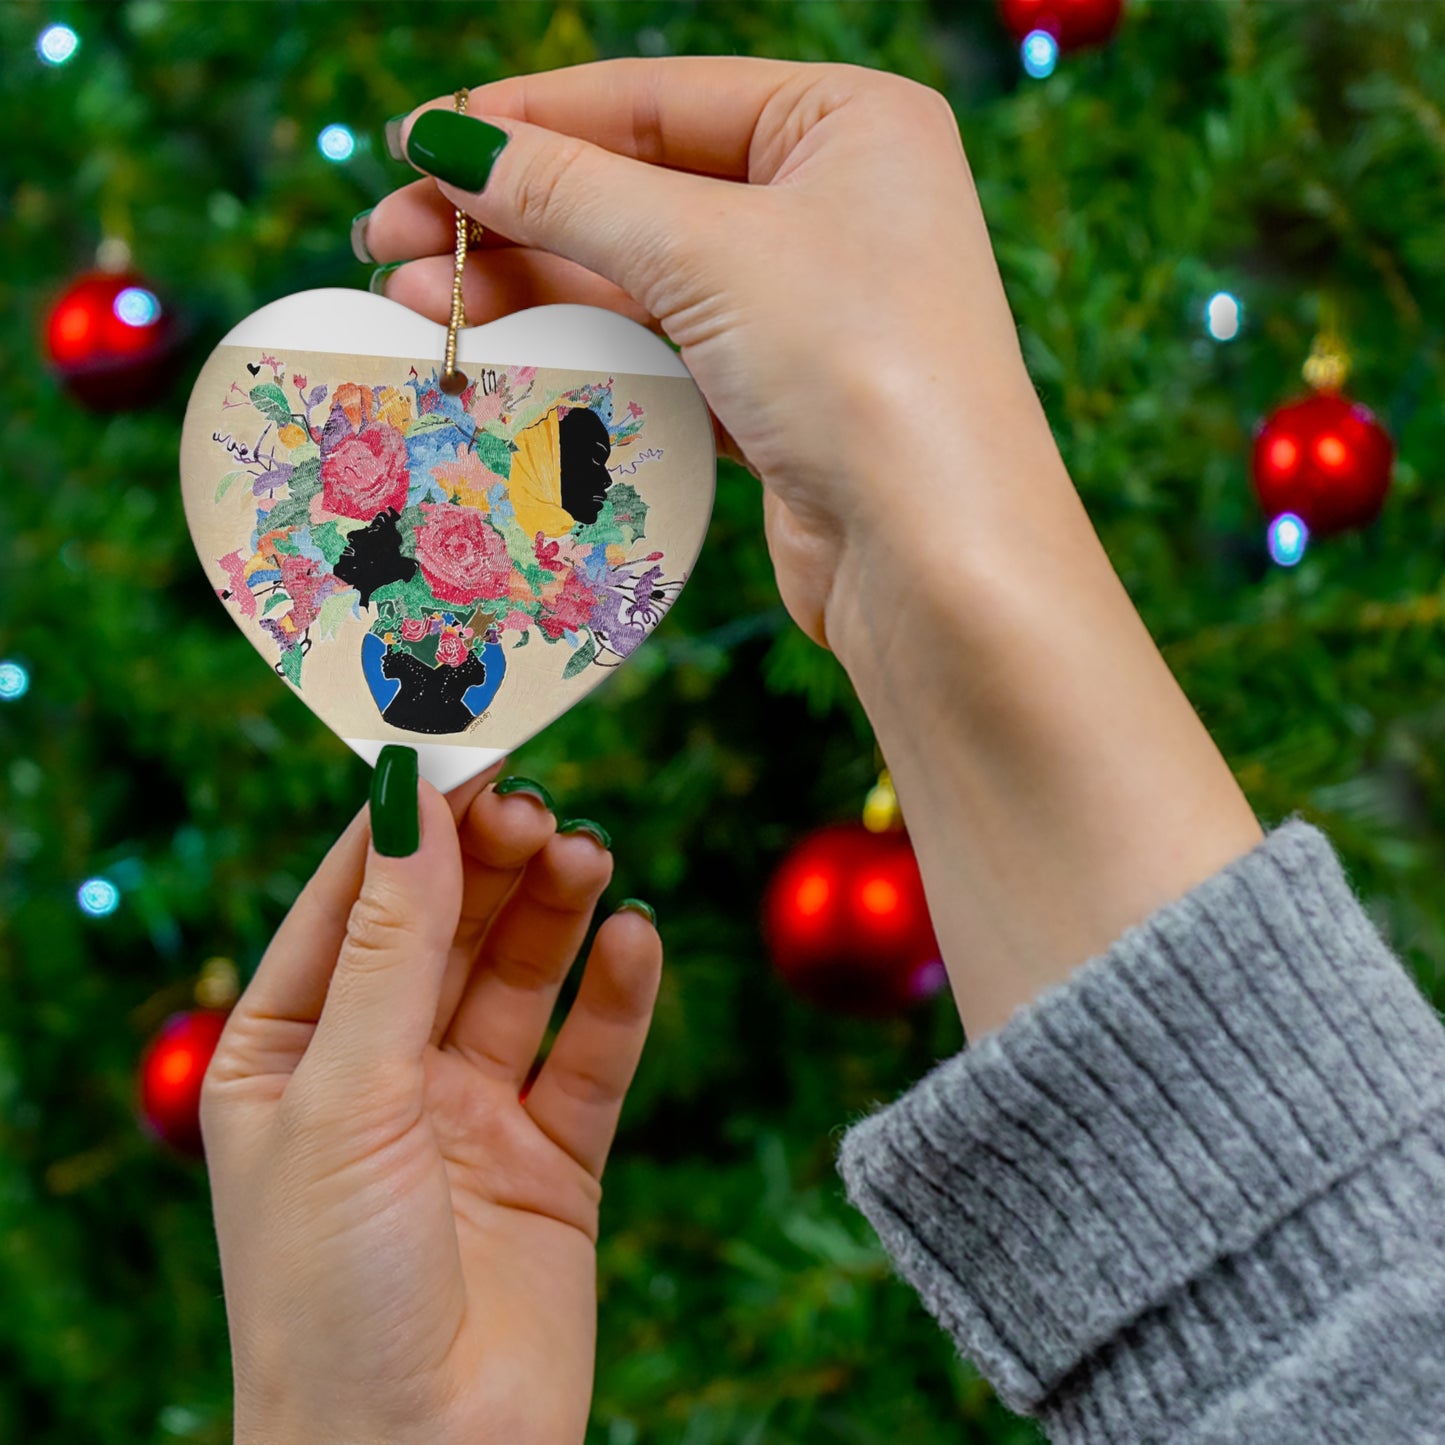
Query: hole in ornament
[{"x": 453, "y": 383}]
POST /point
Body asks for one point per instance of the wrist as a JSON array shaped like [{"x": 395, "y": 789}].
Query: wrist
[{"x": 1056, "y": 782}]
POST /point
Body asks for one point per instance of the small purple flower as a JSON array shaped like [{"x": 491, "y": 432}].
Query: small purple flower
[
  {"x": 336, "y": 430},
  {"x": 284, "y": 640},
  {"x": 643, "y": 612},
  {"x": 612, "y": 623}
]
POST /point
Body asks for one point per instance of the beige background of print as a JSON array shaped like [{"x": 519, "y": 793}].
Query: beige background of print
[{"x": 677, "y": 487}]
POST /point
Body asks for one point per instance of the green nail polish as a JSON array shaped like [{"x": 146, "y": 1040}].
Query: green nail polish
[
  {"x": 395, "y": 812},
  {"x": 393, "y": 136},
  {"x": 455, "y": 148},
  {"x": 636, "y": 905},
  {"x": 377, "y": 284},
  {"x": 586, "y": 825},
  {"x": 525, "y": 785},
  {"x": 359, "y": 247}
]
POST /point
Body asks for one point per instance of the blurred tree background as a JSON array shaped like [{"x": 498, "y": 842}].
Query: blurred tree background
[{"x": 1286, "y": 153}]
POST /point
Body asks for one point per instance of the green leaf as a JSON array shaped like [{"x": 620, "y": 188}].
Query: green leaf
[
  {"x": 424, "y": 649},
  {"x": 292, "y": 512},
  {"x": 274, "y": 600},
  {"x": 581, "y": 657},
  {"x": 291, "y": 665},
  {"x": 334, "y": 611},
  {"x": 431, "y": 421},
  {"x": 495, "y": 453},
  {"x": 227, "y": 482},
  {"x": 271, "y": 402},
  {"x": 330, "y": 538},
  {"x": 305, "y": 480},
  {"x": 413, "y": 599},
  {"x": 523, "y": 640}
]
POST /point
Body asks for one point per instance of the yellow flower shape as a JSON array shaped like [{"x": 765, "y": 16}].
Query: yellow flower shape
[
  {"x": 393, "y": 406},
  {"x": 292, "y": 436}
]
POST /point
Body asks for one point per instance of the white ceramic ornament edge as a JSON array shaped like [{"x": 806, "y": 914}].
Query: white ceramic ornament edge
[{"x": 563, "y": 335}]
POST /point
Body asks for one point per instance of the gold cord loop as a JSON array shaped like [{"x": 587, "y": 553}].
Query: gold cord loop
[{"x": 454, "y": 382}]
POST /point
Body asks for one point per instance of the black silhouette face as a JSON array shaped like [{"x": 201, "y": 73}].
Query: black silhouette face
[
  {"x": 373, "y": 556},
  {"x": 585, "y": 447},
  {"x": 430, "y": 698}
]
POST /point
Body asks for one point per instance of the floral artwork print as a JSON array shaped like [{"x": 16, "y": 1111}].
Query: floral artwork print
[{"x": 456, "y": 527}]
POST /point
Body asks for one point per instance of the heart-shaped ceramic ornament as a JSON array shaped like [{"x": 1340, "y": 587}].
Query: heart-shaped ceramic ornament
[{"x": 451, "y": 572}]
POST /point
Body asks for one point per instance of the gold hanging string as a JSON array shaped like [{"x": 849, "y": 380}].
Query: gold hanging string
[
  {"x": 454, "y": 382},
  {"x": 1328, "y": 366}
]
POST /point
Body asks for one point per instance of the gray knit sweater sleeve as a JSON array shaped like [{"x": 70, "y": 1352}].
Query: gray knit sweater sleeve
[{"x": 1197, "y": 1191}]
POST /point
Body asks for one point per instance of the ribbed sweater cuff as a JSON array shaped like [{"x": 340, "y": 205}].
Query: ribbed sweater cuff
[{"x": 1114, "y": 1181}]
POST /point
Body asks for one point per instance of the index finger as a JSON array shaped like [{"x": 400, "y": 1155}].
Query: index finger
[{"x": 698, "y": 113}]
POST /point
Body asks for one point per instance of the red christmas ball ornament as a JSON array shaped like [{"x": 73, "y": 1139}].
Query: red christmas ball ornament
[
  {"x": 1326, "y": 459},
  {"x": 847, "y": 924},
  {"x": 111, "y": 340},
  {"x": 171, "y": 1072},
  {"x": 1073, "y": 23}
]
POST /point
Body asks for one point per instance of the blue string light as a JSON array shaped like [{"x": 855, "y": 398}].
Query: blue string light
[
  {"x": 1288, "y": 537},
  {"x": 14, "y": 681},
  {"x": 336, "y": 143},
  {"x": 136, "y": 306},
  {"x": 1223, "y": 316},
  {"x": 57, "y": 44},
  {"x": 1040, "y": 52},
  {"x": 98, "y": 897}
]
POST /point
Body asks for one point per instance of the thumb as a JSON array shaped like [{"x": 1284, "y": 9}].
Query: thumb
[
  {"x": 382, "y": 1000},
  {"x": 642, "y": 227}
]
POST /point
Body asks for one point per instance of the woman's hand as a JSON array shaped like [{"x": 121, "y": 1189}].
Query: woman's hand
[
  {"x": 408, "y": 1247},
  {"x": 810, "y": 237},
  {"x": 844, "y": 303}
]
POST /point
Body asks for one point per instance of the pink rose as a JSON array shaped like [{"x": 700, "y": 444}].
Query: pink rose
[
  {"x": 462, "y": 558},
  {"x": 569, "y": 608},
  {"x": 451, "y": 650},
  {"x": 413, "y": 629},
  {"x": 364, "y": 475}
]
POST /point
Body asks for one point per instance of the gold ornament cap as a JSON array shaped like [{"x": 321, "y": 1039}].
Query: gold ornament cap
[
  {"x": 219, "y": 985},
  {"x": 881, "y": 813}
]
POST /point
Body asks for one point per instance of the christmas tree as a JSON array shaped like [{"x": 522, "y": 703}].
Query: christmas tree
[{"x": 1179, "y": 214}]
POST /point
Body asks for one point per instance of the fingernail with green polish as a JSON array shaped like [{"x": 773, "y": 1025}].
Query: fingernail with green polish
[
  {"x": 359, "y": 248},
  {"x": 586, "y": 825},
  {"x": 395, "y": 812},
  {"x": 525, "y": 785},
  {"x": 377, "y": 284},
  {"x": 393, "y": 136},
  {"x": 636, "y": 905},
  {"x": 455, "y": 148}
]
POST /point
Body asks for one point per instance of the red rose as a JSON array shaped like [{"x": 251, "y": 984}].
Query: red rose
[
  {"x": 451, "y": 650},
  {"x": 302, "y": 581},
  {"x": 364, "y": 475},
  {"x": 462, "y": 558},
  {"x": 570, "y": 608},
  {"x": 413, "y": 629}
]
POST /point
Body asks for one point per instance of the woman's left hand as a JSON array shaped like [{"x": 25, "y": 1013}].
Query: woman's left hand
[{"x": 407, "y": 1244}]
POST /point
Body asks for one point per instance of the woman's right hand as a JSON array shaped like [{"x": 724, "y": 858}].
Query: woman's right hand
[{"x": 841, "y": 311}]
